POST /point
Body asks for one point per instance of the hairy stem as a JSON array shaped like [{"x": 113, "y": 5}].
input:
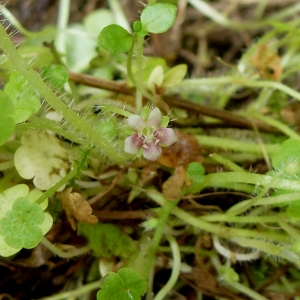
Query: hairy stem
[{"x": 44, "y": 91}]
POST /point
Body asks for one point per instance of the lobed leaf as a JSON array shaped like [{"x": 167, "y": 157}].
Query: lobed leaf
[
  {"x": 23, "y": 223},
  {"x": 126, "y": 285}
]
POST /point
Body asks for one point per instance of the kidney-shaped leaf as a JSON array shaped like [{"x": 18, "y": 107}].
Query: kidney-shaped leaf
[
  {"x": 159, "y": 17},
  {"x": 126, "y": 285}
]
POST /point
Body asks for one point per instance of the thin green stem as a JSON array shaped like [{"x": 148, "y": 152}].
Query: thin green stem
[
  {"x": 139, "y": 79},
  {"x": 234, "y": 145},
  {"x": 175, "y": 269},
  {"x": 45, "y": 92},
  {"x": 116, "y": 110},
  {"x": 214, "y": 179},
  {"x": 58, "y": 185},
  {"x": 120, "y": 17},
  {"x": 239, "y": 219},
  {"x": 277, "y": 124},
  {"x": 62, "y": 253},
  {"x": 159, "y": 231},
  {"x": 62, "y": 23},
  {"x": 84, "y": 290},
  {"x": 246, "y": 291},
  {"x": 220, "y": 230},
  {"x": 246, "y": 206},
  {"x": 226, "y": 163},
  {"x": 15, "y": 22},
  {"x": 46, "y": 124},
  {"x": 194, "y": 85},
  {"x": 221, "y": 19},
  {"x": 138, "y": 82}
]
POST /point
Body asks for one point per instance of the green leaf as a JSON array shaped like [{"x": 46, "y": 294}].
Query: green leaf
[
  {"x": 95, "y": 21},
  {"x": 174, "y": 75},
  {"x": 7, "y": 124},
  {"x": 156, "y": 78},
  {"x": 293, "y": 210},
  {"x": 229, "y": 274},
  {"x": 137, "y": 26},
  {"x": 25, "y": 100},
  {"x": 115, "y": 38},
  {"x": 159, "y": 17},
  {"x": 43, "y": 158},
  {"x": 124, "y": 285},
  {"x": 287, "y": 159},
  {"x": 81, "y": 48},
  {"x": 106, "y": 240},
  {"x": 107, "y": 129},
  {"x": 55, "y": 75},
  {"x": 195, "y": 172},
  {"x": 19, "y": 224},
  {"x": 7, "y": 127},
  {"x": 23, "y": 222},
  {"x": 6, "y": 104}
]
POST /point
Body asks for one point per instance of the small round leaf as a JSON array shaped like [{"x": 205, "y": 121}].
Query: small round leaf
[
  {"x": 159, "y": 17},
  {"x": 115, "y": 38}
]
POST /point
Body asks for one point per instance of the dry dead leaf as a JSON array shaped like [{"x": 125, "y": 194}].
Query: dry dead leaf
[
  {"x": 77, "y": 208},
  {"x": 267, "y": 62},
  {"x": 183, "y": 152},
  {"x": 172, "y": 186}
]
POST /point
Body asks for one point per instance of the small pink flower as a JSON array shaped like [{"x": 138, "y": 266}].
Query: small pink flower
[{"x": 150, "y": 134}]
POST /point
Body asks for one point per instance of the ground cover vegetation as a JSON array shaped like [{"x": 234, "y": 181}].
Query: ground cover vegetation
[{"x": 150, "y": 150}]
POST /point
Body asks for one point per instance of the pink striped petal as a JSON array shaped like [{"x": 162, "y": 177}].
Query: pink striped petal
[
  {"x": 133, "y": 143},
  {"x": 151, "y": 152},
  {"x": 154, "y": 117},
  {"x": 166, "y": 136},
  {"x": 136, "y": 122}
]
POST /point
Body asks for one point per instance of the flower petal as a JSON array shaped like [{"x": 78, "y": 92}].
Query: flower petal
[
  {"x": 154, "y": 117},
  {"x": 133, "y": 143},
  {"x": 166, "y": 136},
  {"x": 136, "y": 122},
  {"x": 152, "y": 152}
]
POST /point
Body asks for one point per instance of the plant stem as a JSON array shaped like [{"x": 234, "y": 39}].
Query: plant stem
[
  {"x": 138, "y": 82},
  {"x": 275, "y": 200},
  {"x": 120, "y": 17},
  {"x": 159, "y": 231},
  {"x": 234, "y": 145},
  {"x": 214, "y": 179},
  {"x": 84, "y": 290},
  {"x": 175, "y": 269},
  {"x": 219, "y": 18},
  {"x": 226, "y": 232},
  {"x": 44, "y": 91},
  {"x": 62, "y": 253},
  {"x": 246, "y": 291},
  {"x": 62, "y": 23},
  {"x": 193, "y": 85},
  {"x": 277, "y": 124},
  {"x": 239, "y": 219},
  {"x": 226, "y": 163},
  {"x": 116, "y": 110},
  {"x": 15, "y": 22},
  {"x": 46, "y": 124},
  {"x": 58, "y": 185}
]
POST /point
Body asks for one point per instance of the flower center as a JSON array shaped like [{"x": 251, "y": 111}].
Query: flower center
[{"x": 148, "y": 131}]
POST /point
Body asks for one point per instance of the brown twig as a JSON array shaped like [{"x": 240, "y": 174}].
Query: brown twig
[{"x": 173, "y": 101}]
